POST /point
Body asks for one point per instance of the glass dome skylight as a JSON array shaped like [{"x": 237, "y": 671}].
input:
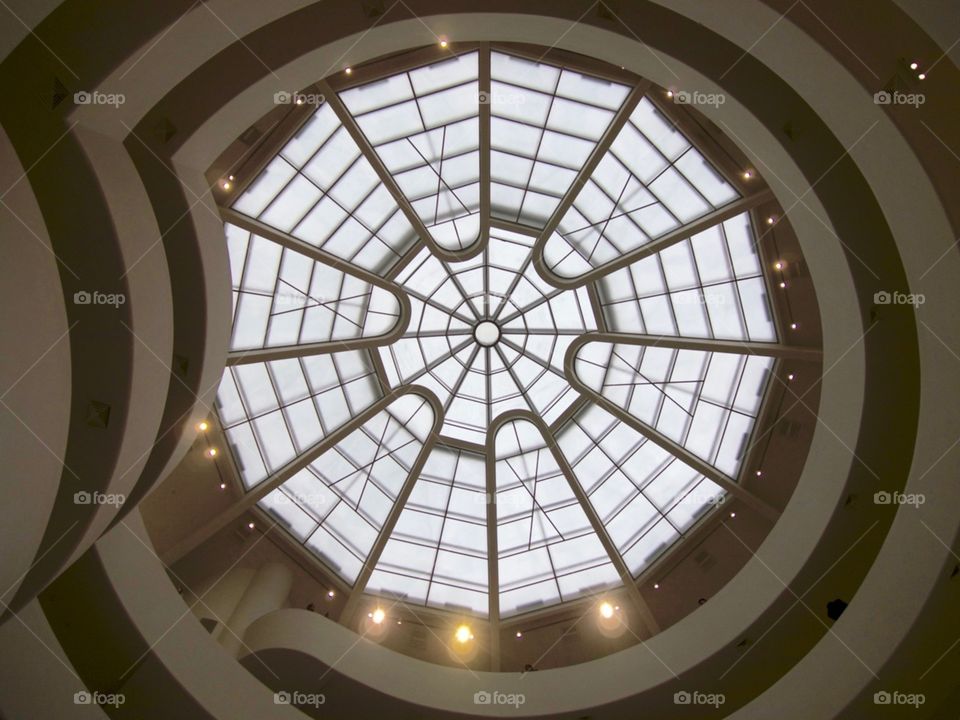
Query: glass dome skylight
[{"x": 411, "y": 392}]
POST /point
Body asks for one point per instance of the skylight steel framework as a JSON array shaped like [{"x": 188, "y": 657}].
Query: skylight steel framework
[{"x": 376, "y": 189}]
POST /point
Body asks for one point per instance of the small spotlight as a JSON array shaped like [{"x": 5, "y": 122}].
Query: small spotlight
[
  {"x": 251, "y": 525},
  {"x": 794, "y": 326},
  {"x": 771, "y": 220},
  {"x": 330, "y": 593},
  {"x": 759, "y": 473},
  {"x": 922, "y": 76},
  {"x": 606, "y": 610},
  {"x": 669, "y": 93},
  {"x": 778, "y": 265},
  {"x": 733, "y": 514},
  {"x": 914, "y": 66},
  {"x": 790, "y": 376},
  {"x": 349, "y": 71},
  {"x": 231, "y": 177},
  {"x": 399, "y": 622},
  {"x": 226, "y": 185},
  {"x": 299, "y": 100},
  {"x": 656, "y": 586},
  {"x": 378, "y": 615},
  {"x": 223, "y": 486},
  {"x": 783, "y": 284},
  {"x": 211, "y": 452},
  {"x": 463, "y": 635},
  {"x": 747, "y": 174},
  {"x": 203, "y": 425},
  {"x": 443, "y": 43},
  {"x": 519, "y": 634}
]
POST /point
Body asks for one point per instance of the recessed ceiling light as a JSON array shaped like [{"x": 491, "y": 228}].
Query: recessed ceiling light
[
  {"x": 733, "y": 514},
  {"x": 778, "y": 265},
  {"x": 211, "y": 452},
  {"x": 606, "y": 610},
  {"x": 922, "y": 76},
  {"x": 378, "y": 615},
  {"x": 443, "y": 43},
  {"x": 226, "y": 185},
  {"x": 223, "y": 486},
  {"x": 790, "y": 376},
  {"x": 519, "y": 634},
  {"x": 463, "y": 634},
  {"x": 914, "y": 66},
  {"x": 251, "y": 525},
  {"x": 747, "y": 174},
  {"x": 349, "y": 71},
  {"x": 330, "y": 593},
  {"x": 794, "y": 326},
  {"x": 202, "y": 425}
]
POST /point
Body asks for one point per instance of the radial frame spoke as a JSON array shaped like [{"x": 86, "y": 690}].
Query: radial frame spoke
[{"x": 657, "y": 245}]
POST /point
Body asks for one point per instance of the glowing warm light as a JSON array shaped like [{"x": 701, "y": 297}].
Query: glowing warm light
[
  {"x": 733, "y": 514},
  {"x": 443, "y": 43},
  {"x": 759, "y": 473},
  {"x": 226, "y": 185},
  {"x": 463, "y": 634},
  {"x": 913, "y": 66},
  {"x": 747, "y": 174},
  {"x": 922, "y": 76},
  {"x": 656, "y": 586},
  {"x": 330, "y": 593},
  {"x": 212, "y": 452},
  {"x": 231, "y": 177},
  {"x": 378, "y": 616},
  {"x": 771, "y": 220},
  {"x": 519, "y": 634},
  {"x": 670, "y": 93},
  {"x": 203, "y": 425},
  {"x": 251, "y": 526},
  {"x": 606, "y": 610},
  {"x": 223, "y": 486},
  {"x": 783, "y": 284},
  {"x": 790, "y": 376},
  {"x": 778, "y": 265},
  {"x": 793, "y": 326},
  {"x": 349, "y": 71}
]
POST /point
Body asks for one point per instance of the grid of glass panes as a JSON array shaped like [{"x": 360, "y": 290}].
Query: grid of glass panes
[
  {"x": 424, "y": 125},
  {"x": 337, "y": 505},
  {"x": 705, "y": 401},
  {"x": 545, "y": 123},
  {"x": 282, "y": 297},
  {"x": 709, "y": 286},
  {"x": 645, "y": 497},
  {"x": 523, "y": 371},
  {"x": 273, "y": 411},
  {"x": 548, "y": 551},
  {"x": 437, "y": 554},
  {"x": 650, "y": 181},
  {"x": 321, "y": 189}
]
